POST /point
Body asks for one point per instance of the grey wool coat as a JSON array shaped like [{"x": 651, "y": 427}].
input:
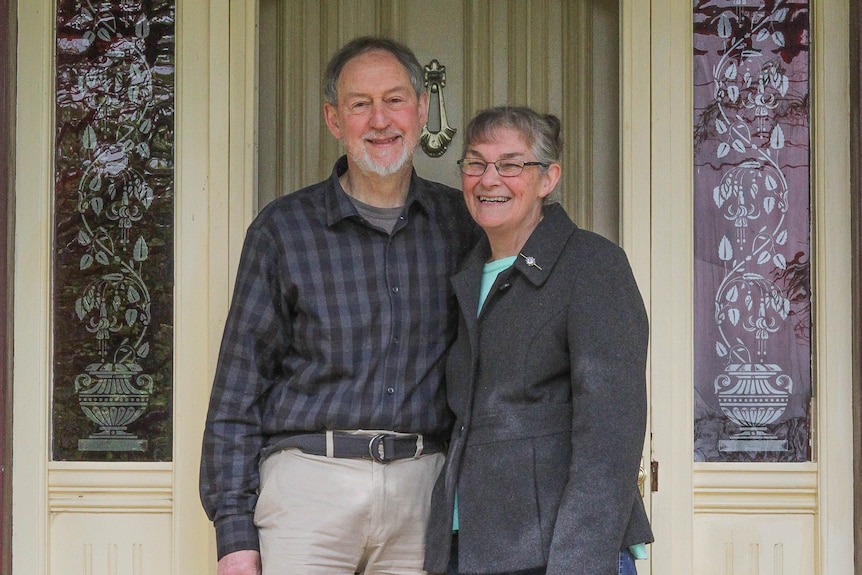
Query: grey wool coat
[{"x": 548, "y": 389}]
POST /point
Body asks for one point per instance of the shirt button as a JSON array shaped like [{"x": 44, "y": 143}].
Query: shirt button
[
  {"x": 390, "y": 390},
  {"x": 395, "y": 289}
]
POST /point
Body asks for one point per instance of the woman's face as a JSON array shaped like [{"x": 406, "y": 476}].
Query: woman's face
[{"x": 507, "y": 208}]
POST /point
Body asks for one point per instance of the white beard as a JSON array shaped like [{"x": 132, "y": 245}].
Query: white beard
[{"x": 365, "y": 162}]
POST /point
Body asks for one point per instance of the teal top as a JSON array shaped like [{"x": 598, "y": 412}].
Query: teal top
[{"x": 489, "y": 276}]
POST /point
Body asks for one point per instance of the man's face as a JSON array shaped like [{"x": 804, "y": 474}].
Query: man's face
[{"x": 378, "y": 116}]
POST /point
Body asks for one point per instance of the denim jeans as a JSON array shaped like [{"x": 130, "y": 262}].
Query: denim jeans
[{"x": 627, "y": 563}]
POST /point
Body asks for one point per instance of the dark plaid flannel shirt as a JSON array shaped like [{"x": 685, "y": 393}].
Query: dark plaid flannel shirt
[{"x": 334, "y": 324}]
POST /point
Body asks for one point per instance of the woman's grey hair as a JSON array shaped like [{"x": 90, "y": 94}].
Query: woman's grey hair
[
  {"x": 540, "y": 131},
  {"x": 362, "y": 45}
]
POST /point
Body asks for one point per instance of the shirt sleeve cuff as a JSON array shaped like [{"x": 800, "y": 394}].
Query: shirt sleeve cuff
[
  {"x": 236, "y": 533},
  {"x": 639, "y": 551}
]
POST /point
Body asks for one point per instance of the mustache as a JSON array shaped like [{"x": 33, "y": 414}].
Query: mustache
[{"x": 382, "y": 135}]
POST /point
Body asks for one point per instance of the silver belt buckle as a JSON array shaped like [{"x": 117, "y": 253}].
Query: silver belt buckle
[{"x": 375, "y": 448}]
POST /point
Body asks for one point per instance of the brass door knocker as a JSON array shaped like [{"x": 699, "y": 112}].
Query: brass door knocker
[{"x": 435, "y": 143}]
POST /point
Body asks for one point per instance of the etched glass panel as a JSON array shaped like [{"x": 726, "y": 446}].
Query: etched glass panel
[
  {"x": 113, "y": 231},
  {"x": 752, "y": 298}
]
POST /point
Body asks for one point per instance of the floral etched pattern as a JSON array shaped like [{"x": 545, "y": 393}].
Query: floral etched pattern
[
  {"x": 113, "y": 276},
  {"x": 752, "y": 231}
]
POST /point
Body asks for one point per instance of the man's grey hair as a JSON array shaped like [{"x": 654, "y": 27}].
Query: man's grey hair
[{"x": 362, "y": 45}]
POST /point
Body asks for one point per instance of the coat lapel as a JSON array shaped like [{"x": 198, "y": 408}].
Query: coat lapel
[
  {"x": 466, "y": 283},
  {"x": 545, "y": 244}
]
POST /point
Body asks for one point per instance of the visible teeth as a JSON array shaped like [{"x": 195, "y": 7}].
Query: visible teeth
[
  {"x": 493, "y": 200},
  {"x": 381, "y": 138}
]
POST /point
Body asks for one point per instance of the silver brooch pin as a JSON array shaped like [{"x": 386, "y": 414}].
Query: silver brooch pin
[{"x": 531, "y": 261}]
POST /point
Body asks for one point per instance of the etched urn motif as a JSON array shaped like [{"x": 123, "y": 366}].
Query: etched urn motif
[
  {"x": 753, "y": 396},
  {"x": 113, "y": 395}
]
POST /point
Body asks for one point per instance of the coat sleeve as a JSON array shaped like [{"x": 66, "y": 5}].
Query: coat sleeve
[
  {"x": 256, "y": 335},
  {"x": 608, "y": 336}
]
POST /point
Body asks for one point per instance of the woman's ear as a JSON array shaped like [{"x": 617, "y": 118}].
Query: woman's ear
[{"x": 551, "y": 179}]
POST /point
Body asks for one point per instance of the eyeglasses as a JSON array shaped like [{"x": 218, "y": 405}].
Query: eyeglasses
[{"x": 506, "y": 168}]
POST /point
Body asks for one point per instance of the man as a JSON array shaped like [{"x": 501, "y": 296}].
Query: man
[{"x": 325, "y": 426}]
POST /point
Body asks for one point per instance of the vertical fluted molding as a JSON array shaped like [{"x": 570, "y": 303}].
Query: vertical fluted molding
[
  {"x": 478, "y": 64},
  {"x": 137, "y": 559},
  {"x": 285, "y": 153},
  {"x": 330, "y": 41},
  {"x": 87, "y": 559},
  {"x": 577, "y": 112},
  {"x": 393, "y": 19},
  {"x": 286, "y": 164},
  {"x": 297, "y": 46},
  {"x": 291, "y": 103},
  {"x": 518, "y": 51},
  {"x": 778, "y": 559},
  {"x": 539, "y": 56},
  {"x": 529, "y": 54}
]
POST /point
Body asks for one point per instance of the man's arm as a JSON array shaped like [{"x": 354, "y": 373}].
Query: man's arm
[
  {"x": 255, "y": 338},
  {"x": 240, "y": 563}
]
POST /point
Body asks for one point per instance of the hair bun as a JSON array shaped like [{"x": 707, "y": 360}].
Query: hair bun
[{"x": 555, "y": 127}]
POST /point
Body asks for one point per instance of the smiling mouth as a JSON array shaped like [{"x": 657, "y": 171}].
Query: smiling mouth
[
  {"x": 490, "y": 200},
  {"x": 383, "y": 141}
]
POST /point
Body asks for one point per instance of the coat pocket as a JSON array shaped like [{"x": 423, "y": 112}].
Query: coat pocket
[{"x": 508, "y": 495}]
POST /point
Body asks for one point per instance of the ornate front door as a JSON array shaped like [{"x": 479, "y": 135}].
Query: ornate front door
[{"x": 557, "y": 56}]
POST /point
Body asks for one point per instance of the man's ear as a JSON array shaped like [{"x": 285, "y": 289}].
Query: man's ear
[
  {"x": 330, "y": 115},
  {"x": 423, "y": 108}
]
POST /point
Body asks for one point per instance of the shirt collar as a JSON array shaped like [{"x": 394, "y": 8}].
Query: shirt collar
[{"x": 339, "y": 206}]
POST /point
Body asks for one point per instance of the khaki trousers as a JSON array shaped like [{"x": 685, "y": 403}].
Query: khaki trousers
[{"x": 326, "y": 516}]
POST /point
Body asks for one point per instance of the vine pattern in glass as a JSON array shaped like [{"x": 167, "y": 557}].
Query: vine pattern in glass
[
  {"x": 752, "y": 231},
  {"x": 113, "y": 267}
]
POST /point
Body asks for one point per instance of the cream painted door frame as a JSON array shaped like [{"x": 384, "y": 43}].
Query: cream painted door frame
[
  {"x": 741, "y": 518},
  {"x": 8, "y": 34},
  {"x": 137, "y": 519},
  {"x": 216, "y": 69},
  {"x": 655, "y": 229},
  {"x": 856, "y": 187}
]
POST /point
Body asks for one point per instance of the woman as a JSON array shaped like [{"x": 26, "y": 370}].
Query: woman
[{"x": 546, "y": 378}]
